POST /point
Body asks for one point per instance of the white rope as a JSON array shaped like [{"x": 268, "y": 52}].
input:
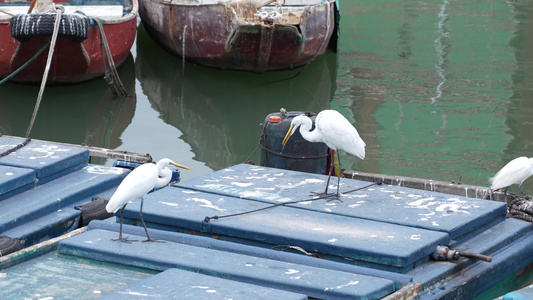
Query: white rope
[{"x": 59, "y": 10}]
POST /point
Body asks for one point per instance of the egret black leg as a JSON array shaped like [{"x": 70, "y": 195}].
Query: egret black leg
[
  {"x": 338, "y": 195},
  {"x": 505, "y": 194},
  {"x": 521, "y": 190},
  {"x": 149, "y": 239},
  {"x": 329, "y": 177},
  {"x": 120, "y": 238}
]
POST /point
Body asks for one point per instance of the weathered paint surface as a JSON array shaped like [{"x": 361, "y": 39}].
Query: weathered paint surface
[
  {"x": 364, "y": 240},
  {"x": 452, "y": 214},
  {"x": 72, "y": 62},
  {"x": 189, "y": 285},
  {"x": 311, "y": 281},
  {"x": 237, "y": 35},
  {"x": 44, "y": 158},
  {"x": 12, "y": 178}
]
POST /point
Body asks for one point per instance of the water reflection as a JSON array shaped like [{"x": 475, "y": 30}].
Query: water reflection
[
  {"x": 438, "y": 84},
  {"x": 219, "y": 112},
  {"x": 82, "y": 113}
]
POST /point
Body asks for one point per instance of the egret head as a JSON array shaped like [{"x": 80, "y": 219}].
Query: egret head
[
  {"x": 296, "y": 122},
  {"x": 165, "y": 162},
  {"x": 288, "y": 135}
]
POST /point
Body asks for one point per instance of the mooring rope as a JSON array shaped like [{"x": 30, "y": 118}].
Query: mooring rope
[
  {"x": 521, "y": 208},
  {"x": 9, "y": 151},
  {"x": 111, "y": 75},
  {"x": 59, "y": 10},
  {"x": 330, "y": 196},
  {"x": 25, "y": 64}
]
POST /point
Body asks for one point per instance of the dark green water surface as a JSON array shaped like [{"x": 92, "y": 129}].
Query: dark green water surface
[{"x": 437, "y": 89}]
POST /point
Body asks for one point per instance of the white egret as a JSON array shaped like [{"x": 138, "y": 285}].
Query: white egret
[
  {"x": 514, "y": 172},
  {"x": 137, "y": 184},
  {"x": 335, "y": 131}
]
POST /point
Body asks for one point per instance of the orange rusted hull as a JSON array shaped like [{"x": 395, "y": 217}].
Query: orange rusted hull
[
  {"x": 241, "y": 35},
  {"x": 72, "y": 61}
]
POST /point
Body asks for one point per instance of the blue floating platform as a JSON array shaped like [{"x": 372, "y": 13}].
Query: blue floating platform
[
  {"x": 42, "y": 183},
  {"x": 257, "y": 232},
  {"x": 452, "y": 214},
  {"x": 15, "y": 180},
  {"x": 189, "y": 285},
  {"x": 48, "y": 160}
]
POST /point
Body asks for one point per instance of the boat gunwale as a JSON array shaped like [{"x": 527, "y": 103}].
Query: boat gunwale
[{"x": 106, "y": 20}]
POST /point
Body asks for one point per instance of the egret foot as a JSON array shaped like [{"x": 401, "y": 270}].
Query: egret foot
[
  {"x": 124, "y": 240},
  {"x": 335, "y": 197}
]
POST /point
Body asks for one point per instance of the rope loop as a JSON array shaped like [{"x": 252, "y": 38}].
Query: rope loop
[{"x": 521, "y": 208}]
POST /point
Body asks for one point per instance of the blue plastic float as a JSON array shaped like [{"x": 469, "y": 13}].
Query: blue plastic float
[
  {"x": 42, "y": 183},
  {"x": 256, "y": 232},
  {"x": 379, "y": 241}
]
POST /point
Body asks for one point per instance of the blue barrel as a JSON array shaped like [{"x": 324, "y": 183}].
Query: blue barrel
[{"x": 298, "y": 154}]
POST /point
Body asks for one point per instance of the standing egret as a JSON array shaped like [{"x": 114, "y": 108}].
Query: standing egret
[
  {"x": 335, "y": 131},
  {"x": 514, "y": 172},
  {"x": 137, "y": 184}
]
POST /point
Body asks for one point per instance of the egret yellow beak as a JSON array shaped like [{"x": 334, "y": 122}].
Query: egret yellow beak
[
  {"x": 179, "y": 166},
  {"x": 288, "y": 135}
]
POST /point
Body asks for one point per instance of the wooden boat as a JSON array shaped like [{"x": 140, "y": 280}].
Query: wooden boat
[
  {"x": 78, "y": 52},
  {"x": 247, "y": 35}
]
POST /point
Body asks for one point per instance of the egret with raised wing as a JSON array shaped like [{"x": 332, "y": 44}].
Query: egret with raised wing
[
  {"x": 137, "y": 184},
  {"x": 514, "y": 172},
  {"x": 333, "y": 129}
]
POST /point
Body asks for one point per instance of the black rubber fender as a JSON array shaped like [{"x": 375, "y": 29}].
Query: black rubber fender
[
  {"x": 9, "y": 245},
  {"x": 94, "y": 210},
  {"x": 74, "y": 26}
]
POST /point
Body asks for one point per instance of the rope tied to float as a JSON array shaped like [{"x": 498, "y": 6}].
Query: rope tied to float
[
  {"x": 328, "y": 197},
  {"x": 521, "y": 208},
  {"x": 59, "y": 10},
  {"x": 110, "y": 70},
  {"x": 9, "y": 151}
]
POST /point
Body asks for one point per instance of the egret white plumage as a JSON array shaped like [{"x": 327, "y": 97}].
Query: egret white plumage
[
  {"x": 514, "y": 172},
  {"x": 335, "y": 131},
  {"x": 137, "y": 184}
]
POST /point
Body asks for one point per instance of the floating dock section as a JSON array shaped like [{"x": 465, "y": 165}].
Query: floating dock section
[
  {"x": 41, "y": 184},
  {"x": 256, "y": 232}
]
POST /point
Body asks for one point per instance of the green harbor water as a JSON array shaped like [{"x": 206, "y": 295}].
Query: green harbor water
[
  {"x": 438, "y": 89},
  {"x": 56, "y": 276}
]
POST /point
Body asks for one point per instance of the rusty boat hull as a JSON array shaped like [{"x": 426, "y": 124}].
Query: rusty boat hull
[
  {"x": 242, "y": 35},
  {"x": 72, "y": 61}
]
